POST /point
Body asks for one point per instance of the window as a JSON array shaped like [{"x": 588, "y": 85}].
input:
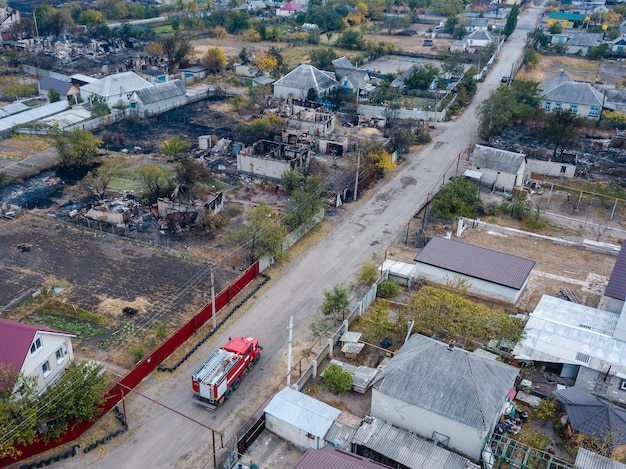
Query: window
[
  {"x": 37, "y": 344},
  {"x": 622, "y": 386},
  {"x": 547, "y": 106},
  {"x": 557, "y": 106},
  {"x": 594, "y": 111},
  {"x": 45, "y": 368},
  {"x": 573, "y": 108},
  {"x": 59, "y": 355},
  {"x": 581, "y": 357},
  {"x": 563, "y": 169}
]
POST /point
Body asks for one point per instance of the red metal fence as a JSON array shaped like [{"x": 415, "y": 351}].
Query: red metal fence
[{"x": 145, "y": 366}]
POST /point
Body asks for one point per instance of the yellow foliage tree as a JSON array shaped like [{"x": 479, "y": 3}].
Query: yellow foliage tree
[
  {"x": 266, "y": 62},
  {"x": 220, "y": 33},
  {"x": 376, "y": 160},
  {"x": 252, "y": 35},
  {"x": 353, "y": 19},
  {"x": 216, "y": 60},
  {"x": 362, "y": 8}
]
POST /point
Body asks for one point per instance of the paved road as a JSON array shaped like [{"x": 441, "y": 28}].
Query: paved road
[{"x": 161, "y": 438}]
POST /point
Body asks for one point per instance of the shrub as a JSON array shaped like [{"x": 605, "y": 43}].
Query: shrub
[
  {"x": 368, "y": 273},
  {"x": 137, "y": 352},
  {"x": 337, "y": 378},
  {"x": 387, "y": 289}
]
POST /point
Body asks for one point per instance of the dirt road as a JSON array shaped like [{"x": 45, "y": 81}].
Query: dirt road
[{"x": 160, "y": 438}]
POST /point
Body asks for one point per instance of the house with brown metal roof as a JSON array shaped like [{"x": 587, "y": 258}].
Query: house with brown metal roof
[
  {"x": 35, "y": 350},
  {"x": 489, "y": 273}
]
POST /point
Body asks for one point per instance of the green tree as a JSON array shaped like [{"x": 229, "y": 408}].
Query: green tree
[
  {"x": 77, "y": 148},
  {"x": 77, "y": 397},
  {"x": 452, "y": 65},
  {"x": 18, "y": 410},
  {"x": 457, "y": 198},
  {"x": 322, "y": 57},
  {"x": 304, "y": 204},
  {"x": 511, "y": 21},
  {"x": 421, "y": 78},
  {"x": 99, "y": 181},
  {"x": 176, "y": 50},
  {"x": 4, "y": 178},
  {"x": 351, "y": 39},
  {"x": 53, "y": 96},
  {"x": 451, "y": 315},
  {"x": 153, "y": 177},
  {"x": 508, "y": 104},
  {"x": 174, "y": 146},
  {"x": 369, "y": 273},
  {"x": 99, "y": 106},
  {"x": 335, "y": 302},
  {"x": 537, "y": 39},
  {"x": 291, "y": 180},
  {"x": 262, "y": 234},
  {"x": 260, "y": 128},
  {"x": 562, "y": 130},
  {"x": 378, "y": 322},
  {"x": 599, "y": 52},
  {"x": 375, "y": 160},
  {"x": 519, "y": 207},
  {"x": 531, "y": 58},
  {"x": 238, "y": 102},
  {"x": 337, "y": 378},
  {"x": 190, "y": 171}
]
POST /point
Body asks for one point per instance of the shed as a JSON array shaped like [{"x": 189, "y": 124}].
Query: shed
[
  {"x": 501, "y": 169},
  {"x": 158, "y": 98},
  {"x": 65, "y": 89},
  {"x": 593, "y": 416},
  {"x": 399, "y": 272},
  {"x": 443, "y": 393},
  {"x": 378, "y": 439},
  {"x": 362, "y": 375},
  {"x": 299, "y": 418},
  {"x": 490, "y": 273},
  {"x": 586, "y": 459}
]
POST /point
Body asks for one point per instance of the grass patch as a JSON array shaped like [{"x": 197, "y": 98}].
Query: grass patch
[
  {"x": 166, "y": 29},
  {"x": 49, "y": 306},
  {"x": 532, "y": 437},
  {"x": 80, "y": 329}
]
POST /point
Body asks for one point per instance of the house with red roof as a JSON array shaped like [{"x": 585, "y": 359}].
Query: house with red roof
[
  {"x": 289, "y": 9},
  {"x": 35, "y": 350}
]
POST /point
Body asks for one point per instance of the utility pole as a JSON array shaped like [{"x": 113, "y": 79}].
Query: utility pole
[
  {"x": 289, "y": 351},
  {"x": 36, "y": 28},
  {"x": 356, "y": 181},
  {"x": 213, "y": 313}
]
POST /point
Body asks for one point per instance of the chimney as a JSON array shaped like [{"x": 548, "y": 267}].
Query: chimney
[{"x": 451, "y": 344}]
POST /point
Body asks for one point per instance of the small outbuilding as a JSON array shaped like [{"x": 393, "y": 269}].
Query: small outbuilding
[
  {"x": 299, "y": 418},
  {"x": 489, "y": 273},
  {"x": 501, "y": 169}
]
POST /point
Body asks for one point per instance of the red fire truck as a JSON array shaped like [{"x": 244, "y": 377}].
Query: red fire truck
[{"x": 221, "y": 373}]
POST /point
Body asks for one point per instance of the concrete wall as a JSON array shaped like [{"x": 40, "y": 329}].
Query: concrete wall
[
  {"x": 550, "y": 168},
  {"x": 265, "y": 167},
  {"x": 50, "y": 344},
  {"x": 477, "y": 286},
  {"x": 594, "y": 382},
  {"x": 381, "y": 111},
  {"x": 293, "y": 434},
  {"x": 463, "y": 439}
]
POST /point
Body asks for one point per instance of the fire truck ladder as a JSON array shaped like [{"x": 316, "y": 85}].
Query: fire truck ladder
[{"x": 219, "y": 360}]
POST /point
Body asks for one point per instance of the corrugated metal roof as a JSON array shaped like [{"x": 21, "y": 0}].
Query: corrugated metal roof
[
  {"x": 585, "y": 459},
  {"x": 616, "y": 288},
  {"x": 335, "y": 458},
  {"x": 560, "y": 331},
  {"x": 306, "y": 77},
  {"x": 405, "y": 447},
  {"x": 575, "y": 93},
  {"x": 32, "y": 115},
  {"x": 160, "y": 92},
  {"x": 49, "y": 83},
  {"x": 71, "y": 116},
  {"x": 340, "y": 433},
  {"x": 302, "y": 411},
  {"x": 13, "y": 108},
  {"x": 585, "y": 39},
  {"x": 474, "y": 261},
  {"x": 114, "y": 85},
  {"x": 593, "y": 416},
  {"x": 456, "y": 384},
  {"x": 497, "y": 159},
  {"x": 554, "y": 81}
]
